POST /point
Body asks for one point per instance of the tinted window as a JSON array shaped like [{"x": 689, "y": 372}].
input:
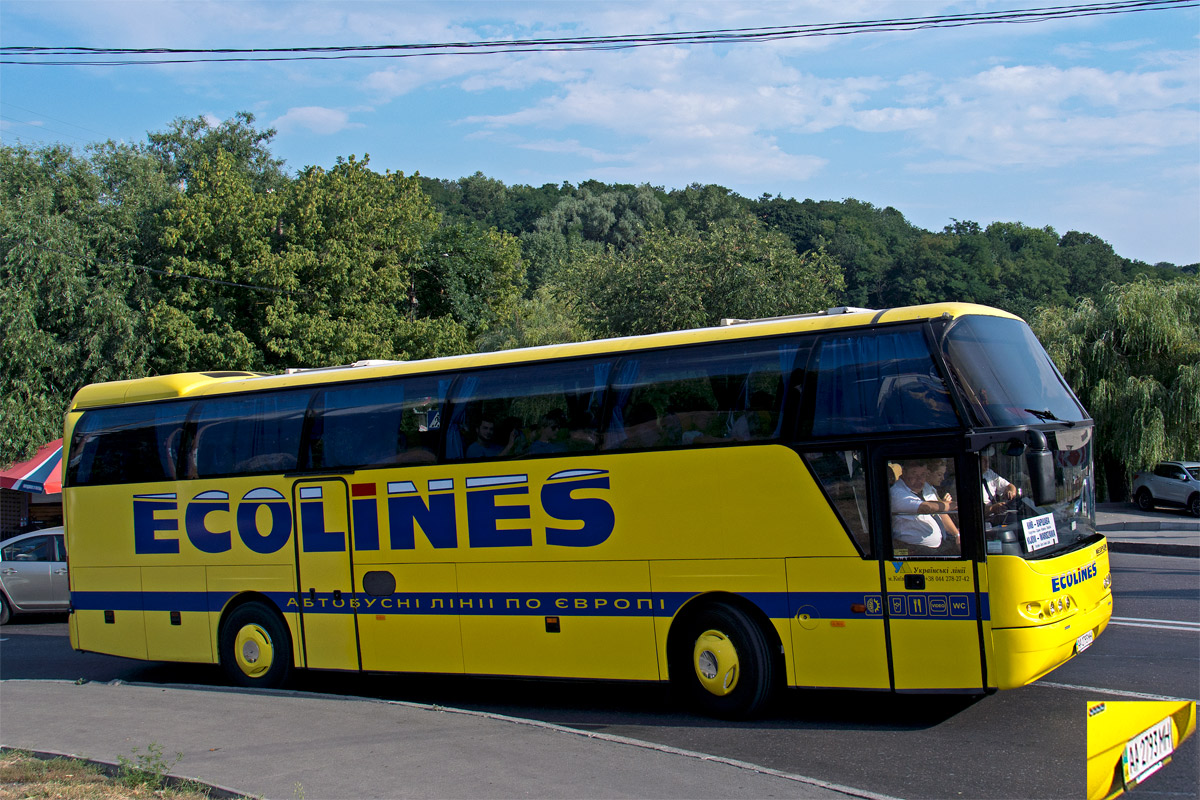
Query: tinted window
[
  {"x": 730, "y": 392},
  {"x": 876, "y": 382},
  {"x": 376, "y": 424},
  {"x": 531, "y": 410},
  {"x": 1005, "y": 375},
  {"x": 134, "y": 444},
  {"x": 247, "y": 434},
  {"x": 841, "y": 475}
]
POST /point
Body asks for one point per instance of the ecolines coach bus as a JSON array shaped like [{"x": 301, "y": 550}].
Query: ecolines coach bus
[{"x": 891, "y": 500}]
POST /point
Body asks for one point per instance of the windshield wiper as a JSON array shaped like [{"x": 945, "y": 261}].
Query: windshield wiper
[{"x": 1048, "y": 415}]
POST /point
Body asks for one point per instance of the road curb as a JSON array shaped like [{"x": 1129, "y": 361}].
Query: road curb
[
  {"x": 1192, "y": 527},
  {"x": 1154, "y": 548}
]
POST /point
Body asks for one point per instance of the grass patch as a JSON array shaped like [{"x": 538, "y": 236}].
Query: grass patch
[{"x": 25, "y": 775}]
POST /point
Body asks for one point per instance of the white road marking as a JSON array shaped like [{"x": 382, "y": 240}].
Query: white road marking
[
  {"x": 1117, "y": 692},
  {"x": 1161, "y": 624}
]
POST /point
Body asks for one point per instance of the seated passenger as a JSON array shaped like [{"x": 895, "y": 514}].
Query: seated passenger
[
  {"x": 921, "y": 525},
  {"x": 547, "y": 438},
  {"x": 485, "y": 444}
]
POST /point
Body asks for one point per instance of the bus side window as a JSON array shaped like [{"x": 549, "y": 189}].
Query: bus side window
[
  {"x": 840, "y": 473},
  {"x": 371, "y": 425},
  {"x": 536, "y": 410},
  {"x": 248, "y": 434},
  {"x": 134, "y": 444},
  {"x": 713, "y": 394},
  {"x": 877, "y": 382}
]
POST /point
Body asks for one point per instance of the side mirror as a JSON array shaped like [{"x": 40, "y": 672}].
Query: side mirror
[{"x": 1041, "y": 469}]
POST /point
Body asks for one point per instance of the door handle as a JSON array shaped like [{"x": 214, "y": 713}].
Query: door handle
[
  {"x": 9, "y": 571},
  {"x": 60, "y": 572},
  {"x": 337, "y": 594},
  {"x": 312, "y": 594}
]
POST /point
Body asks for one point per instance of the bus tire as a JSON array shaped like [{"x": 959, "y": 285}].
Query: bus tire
[
  {"x": 255, "y": 648},
  {"x": 721, "y": 662}
]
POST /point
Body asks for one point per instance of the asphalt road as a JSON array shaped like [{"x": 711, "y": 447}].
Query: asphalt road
[{"x": 1025, "y": 743}]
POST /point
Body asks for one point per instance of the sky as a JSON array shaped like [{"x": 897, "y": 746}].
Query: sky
[{"x": 1088, "y": 124}]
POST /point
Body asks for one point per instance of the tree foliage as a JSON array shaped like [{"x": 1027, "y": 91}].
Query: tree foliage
[
  {"x": 693, "y": 278},
  {"x": 66, "y": 317},
  {"x": 1133, "y": 358}
]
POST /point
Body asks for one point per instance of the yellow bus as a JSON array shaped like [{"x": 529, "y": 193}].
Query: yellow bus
[{"x": 897, "y": 500}]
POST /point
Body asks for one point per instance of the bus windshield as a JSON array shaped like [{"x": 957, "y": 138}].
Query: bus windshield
[
  {"x": 1005, "y": 375},
  {"x": 1013, "y": 523}
]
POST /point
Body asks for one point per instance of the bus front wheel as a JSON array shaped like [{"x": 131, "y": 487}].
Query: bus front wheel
[
  {"x": 721, "y": 661},
  {"x": 256, "y": 650}
]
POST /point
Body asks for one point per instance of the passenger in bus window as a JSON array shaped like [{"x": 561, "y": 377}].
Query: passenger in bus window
[
  {"x": 547, "y": 440},
  {"x": 919, "y": 516},
  {"x": 937, "y": 479},
  {"x": 485, "y": 444}
]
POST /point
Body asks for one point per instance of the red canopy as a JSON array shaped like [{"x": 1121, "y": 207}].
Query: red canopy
[{"x": 41, "y": 474}]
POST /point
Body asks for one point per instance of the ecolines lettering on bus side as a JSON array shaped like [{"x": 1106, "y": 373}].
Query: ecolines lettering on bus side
[
  {"x": 435, "y": 512},
  {"x": 1073, "y": 578}
]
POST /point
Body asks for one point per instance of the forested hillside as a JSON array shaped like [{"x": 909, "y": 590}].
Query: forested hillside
[{"x": 196, "y": 250}]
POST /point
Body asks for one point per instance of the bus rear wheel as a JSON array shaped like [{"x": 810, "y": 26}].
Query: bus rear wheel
[
  {"x": 721, "y": 661},
  {"x": 255, "y": 647}
]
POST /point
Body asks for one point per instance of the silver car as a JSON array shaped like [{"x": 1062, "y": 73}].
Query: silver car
[
  {"x": 1172, "y": 483},
  {"x": 33, "y": 573}
]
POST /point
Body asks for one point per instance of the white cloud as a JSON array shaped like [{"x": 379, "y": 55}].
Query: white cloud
[{"x": 321, "y": 121}]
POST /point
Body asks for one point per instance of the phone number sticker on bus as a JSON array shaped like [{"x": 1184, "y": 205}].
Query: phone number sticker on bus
[{"x": 1039, "y": 532}]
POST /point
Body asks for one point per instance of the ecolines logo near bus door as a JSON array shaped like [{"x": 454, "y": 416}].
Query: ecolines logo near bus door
[{"x": 262, "y": 517}]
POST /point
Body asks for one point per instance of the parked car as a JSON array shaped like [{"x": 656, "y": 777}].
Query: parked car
[
  {"x": 1172, "y": 483},
  {"x": 33, "y": 573}
]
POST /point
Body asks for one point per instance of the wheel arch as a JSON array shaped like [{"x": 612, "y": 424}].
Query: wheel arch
[
  {"x": 676, "y": 638},
  {"x": 245, "y": 598}
]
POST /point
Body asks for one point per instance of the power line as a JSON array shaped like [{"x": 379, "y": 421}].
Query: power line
[{"x": 87, "y": 56}]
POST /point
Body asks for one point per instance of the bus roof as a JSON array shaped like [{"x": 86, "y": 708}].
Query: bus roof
[{"x": 191, "y": 384}]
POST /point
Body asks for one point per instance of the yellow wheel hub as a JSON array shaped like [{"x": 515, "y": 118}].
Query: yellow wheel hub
[
  {"x": 253, "y": 650},
  {"x": 716, "y": 662}
]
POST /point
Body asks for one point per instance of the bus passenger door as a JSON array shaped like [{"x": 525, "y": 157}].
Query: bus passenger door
[
  {"x": 932, "y": 596},
  {"x": 325, "y": 573},
  {"x": 838, "y": 636}
]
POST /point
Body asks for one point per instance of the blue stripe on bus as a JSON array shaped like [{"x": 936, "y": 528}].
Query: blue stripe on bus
[{"x": 935, "y": 606}]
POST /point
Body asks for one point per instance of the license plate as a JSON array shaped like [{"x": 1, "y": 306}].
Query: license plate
[
  {"x": 1147, "y": 752},
  {"x": 1084, "y": 641}
]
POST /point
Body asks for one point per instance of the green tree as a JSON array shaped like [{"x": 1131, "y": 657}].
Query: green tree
[
  {"x": 189, "y": 142},
  {"x": 65, "y": 313},
  {"x": 693, "y": 278},
  {"x": 590, "y": 220},
  {"x": 353, "y": 243},
  {"x": 1133, "y": 357},
  {"x": 474, "y": 276},
  {"x": 217, "y": 242}
]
